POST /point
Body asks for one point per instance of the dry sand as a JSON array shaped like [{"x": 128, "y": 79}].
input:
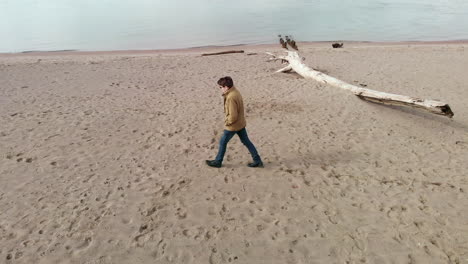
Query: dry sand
[{"x": 102, "y": 158}]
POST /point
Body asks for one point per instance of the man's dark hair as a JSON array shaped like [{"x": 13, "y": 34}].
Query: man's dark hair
[{"x": 226, "y": 81}]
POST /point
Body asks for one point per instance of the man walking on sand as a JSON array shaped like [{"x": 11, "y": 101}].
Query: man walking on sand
[{"x": 234, "y": 123}]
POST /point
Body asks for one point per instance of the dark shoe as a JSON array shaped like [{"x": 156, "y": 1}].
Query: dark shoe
[
  {"x": 213, "y": 163},
  {"x": 256, "y": 164}
]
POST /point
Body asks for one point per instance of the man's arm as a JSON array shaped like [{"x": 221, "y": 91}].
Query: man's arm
[{"x": 233, "y": 112}]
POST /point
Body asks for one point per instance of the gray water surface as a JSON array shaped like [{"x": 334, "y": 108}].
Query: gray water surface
[{"x": 27, "y": 25}]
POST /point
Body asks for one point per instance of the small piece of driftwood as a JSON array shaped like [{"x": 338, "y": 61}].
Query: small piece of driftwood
[
  {"x": 337, "y": 45},
  {"x": 223, "y": 52},
  {"x": 296, "y": 64}
]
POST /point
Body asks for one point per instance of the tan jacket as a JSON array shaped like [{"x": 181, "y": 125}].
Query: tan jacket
[{"x": 233, "y": 110}]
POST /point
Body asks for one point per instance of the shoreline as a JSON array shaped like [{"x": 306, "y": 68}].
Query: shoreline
[{"x": 251, "y": 47}]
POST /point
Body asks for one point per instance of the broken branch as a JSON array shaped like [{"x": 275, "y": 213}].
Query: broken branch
[{"x": 223, "y": 52}]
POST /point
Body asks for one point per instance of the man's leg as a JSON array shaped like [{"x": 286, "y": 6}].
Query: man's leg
[
  {"x": 253, "y": 151},
  {"x": 227, "y": 135}
]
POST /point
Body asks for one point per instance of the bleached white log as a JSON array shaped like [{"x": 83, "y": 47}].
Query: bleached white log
[
  {"x": 296, "y": 64},
  {"x": 285, "y": 69}
]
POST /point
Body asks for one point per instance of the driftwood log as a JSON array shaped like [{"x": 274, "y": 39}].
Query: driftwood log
[
  {"x": 296, "y": 64},
  {"x": 223, "y": 52}
]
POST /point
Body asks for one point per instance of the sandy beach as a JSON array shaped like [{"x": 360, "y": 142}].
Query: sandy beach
[{"x": 102, "y": 158}]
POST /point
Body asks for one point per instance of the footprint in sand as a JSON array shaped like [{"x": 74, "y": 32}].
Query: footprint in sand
[
  {"x": 141, "y": 239},
  {"x": 18, "y": 254},
  {"x": 161, "y": 249},
  {"x": 83, "y": 246},
  {"x": 215, "y": 257}
]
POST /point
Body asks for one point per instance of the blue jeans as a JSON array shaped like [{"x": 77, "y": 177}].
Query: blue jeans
[{"x": 227, "y": 135}]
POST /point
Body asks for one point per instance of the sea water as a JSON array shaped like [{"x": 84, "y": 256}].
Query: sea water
[{"x": 47, "y": 25}]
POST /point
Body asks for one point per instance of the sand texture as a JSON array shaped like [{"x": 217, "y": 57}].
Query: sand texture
[{"x": 102, "y": 158}]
